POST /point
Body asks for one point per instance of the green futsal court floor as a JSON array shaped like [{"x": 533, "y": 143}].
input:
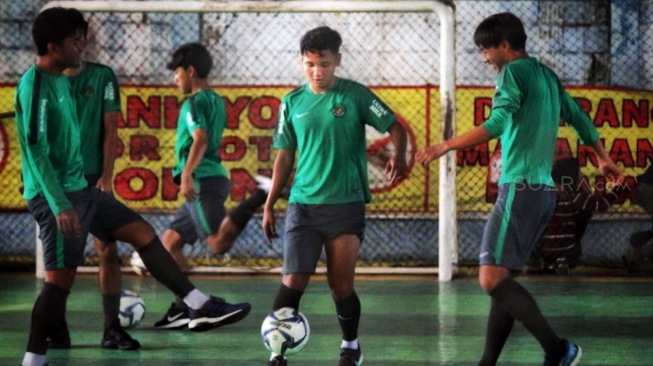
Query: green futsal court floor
[{"x": 406, "y": 321}]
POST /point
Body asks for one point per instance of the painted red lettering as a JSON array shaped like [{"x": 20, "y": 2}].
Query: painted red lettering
[
  {"x": 263, "y": 112},
  {"x": 143, "y": 145},
  {"x": 149, "y": 184}
]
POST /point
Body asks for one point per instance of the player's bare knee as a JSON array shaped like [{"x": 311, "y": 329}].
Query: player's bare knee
[
  {"x": 219, "y": 244},
  {"x": 108, "y": 253},
  {"x": 342, "y": 292}
]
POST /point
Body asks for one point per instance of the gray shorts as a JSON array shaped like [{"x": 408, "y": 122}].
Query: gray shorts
[
  {"x": 308, "y": 227},
  {"x": 515, "y": 224},
  {"x": 99, "y": 213},
  {"x": 198, "y": 219}
]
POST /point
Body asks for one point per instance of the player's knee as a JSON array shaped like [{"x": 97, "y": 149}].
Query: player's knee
[
  {"x": 108, "y": 253},
  {"x": 219, "y": 245},
  {"x": 342, "y": 292}
]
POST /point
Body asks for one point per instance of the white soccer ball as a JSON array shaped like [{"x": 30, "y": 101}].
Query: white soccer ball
[
  {"x": 137, "y": 265},
  {"x": 285, "y": 331},
  {"x": 132, "y": 309}
]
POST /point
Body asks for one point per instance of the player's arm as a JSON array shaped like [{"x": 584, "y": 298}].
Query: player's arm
[
  {"x": 572, "y": 113},
  {"x": 396, "y": 167},
  {"x": 109, "y": 147},
  {"x": 283, "y": 165},
  {"x": 34, "y": 112},
  {"x": 111, "y": 108},
  {"x": 506, "y": 101},
  {"x": 197, "y": 151}
]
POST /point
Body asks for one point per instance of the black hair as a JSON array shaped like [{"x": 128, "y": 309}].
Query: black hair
[
  {"x": 320, "y": 39},
  {"x": 54, "y": 25},
  {"x": 192, "y": 54},
  {"x": 566, "y": 171},
  {"x": 498, "y": 27}
]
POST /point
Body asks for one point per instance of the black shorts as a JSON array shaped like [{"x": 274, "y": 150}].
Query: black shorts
[
  {"x": 308, "y": 227},
  {"x": 99, "y": 213},
  {"x": 198, "y": 219}
]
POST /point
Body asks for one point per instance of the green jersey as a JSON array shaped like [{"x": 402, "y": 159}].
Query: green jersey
[
  {"x": 328, "y": 132},
  {"x": 206, "y": 110},
  {"x": 49, "y": 138},
  {"x": 96, "y": 92},
  {"x": 528, "y": 103}
]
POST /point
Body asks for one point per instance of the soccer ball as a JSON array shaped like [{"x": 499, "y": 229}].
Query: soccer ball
[
  {"x": 285, "y": 331},
  {"x": 137, "y": 265},
  {"x": 132, "y": 309}
]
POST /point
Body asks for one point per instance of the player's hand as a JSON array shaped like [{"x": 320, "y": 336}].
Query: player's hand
[
  {"x": 396, "y": 168},
  {"x": 68, "y": 223},
  {"x": 611, "y": 171},
  {"x": 188, "y": 187},
  {"x": 268, "y": 224},
  {"x": 430, "y": 153},
  {"x": 104, "y": 184}
]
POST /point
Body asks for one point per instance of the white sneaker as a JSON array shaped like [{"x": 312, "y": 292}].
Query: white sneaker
[{"x": 137, "y": 265}]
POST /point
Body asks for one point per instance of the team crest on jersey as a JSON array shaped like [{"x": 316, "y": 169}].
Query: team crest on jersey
[
  {"x": 338, "y": 110},
  {"x": 87, "y": 92}
]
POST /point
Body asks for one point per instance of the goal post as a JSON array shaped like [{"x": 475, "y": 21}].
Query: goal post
[{"x": 444, "y": 9}]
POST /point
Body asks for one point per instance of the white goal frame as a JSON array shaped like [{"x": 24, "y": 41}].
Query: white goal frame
[{"x": 445, "y": 9}]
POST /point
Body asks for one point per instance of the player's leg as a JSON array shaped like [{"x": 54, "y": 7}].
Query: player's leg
[
  {"x": 515, "y": 224},
  {"x": 344, "y": 228},
  {"x": 115, "y": 221},
  {"x": 177, "y": 316},
  {"x": 236, "y": 220},
  {"x": 61, "y": 257},
  {"x": 110, "y": 280},
  {"x": 302, "y": 249}
]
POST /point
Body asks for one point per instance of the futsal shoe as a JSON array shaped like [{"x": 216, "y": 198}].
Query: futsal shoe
[
  {"x": 61, "y": 337},
  {"x": 350, "y": 357},
  {"x": 571, "y": 358},
  {"x": 118, "y": 338},
  {"x": 215, "y": 313},
  {"x": 278, "y": 361},
  {"x": 173, "y": 319}
]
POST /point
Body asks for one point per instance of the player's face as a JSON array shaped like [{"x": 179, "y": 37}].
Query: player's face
[
  {"x": 320, "y": 69},
  {"x": 494, "y": 56},
  {"x": 182, "y": 80},
  {"x": 69, "y": 53}
]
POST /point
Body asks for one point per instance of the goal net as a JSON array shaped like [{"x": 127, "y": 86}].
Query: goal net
[{"x": 393, "y": 50}]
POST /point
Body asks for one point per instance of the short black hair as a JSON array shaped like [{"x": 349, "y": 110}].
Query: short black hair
[
  {"x": 498, "y": 27},
  {"x": 192, "y": 54},
  {"x": 320, "y": 39},
  {"x": 566, "y": 171},
  {"x": 54, "y": 25}
]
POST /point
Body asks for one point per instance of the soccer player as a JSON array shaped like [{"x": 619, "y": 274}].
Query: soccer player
[
  {"x": 202, "y": 177},
  {"x": 324, "y": 121},
  {"x": 60, "y": 199},
  {"x": 97, "y": 99},
  {"x": 529, "y": 101}
]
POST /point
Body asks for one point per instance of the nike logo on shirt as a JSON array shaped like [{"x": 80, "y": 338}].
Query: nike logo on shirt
[{"x": 300, "y": 115}]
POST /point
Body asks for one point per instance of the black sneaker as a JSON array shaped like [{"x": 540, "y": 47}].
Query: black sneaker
[
  {"x": 350, "y": 357},
  {"x": 278, "y": 361},
  {"x": 60, "y": 339},
  {"x": 118, "y": 338},
  {"x": 173, "y": 319},
  {"x": 216, "y": 313}
]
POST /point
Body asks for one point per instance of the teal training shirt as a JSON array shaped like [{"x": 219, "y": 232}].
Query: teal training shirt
[
  {"x": 96, "y": 92},
  {"x": 328, "y": 132},
  {"x": 205, "y": 109},
  {"x": 528, "y": 103},
  {"x": 49, "y": 138}
]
